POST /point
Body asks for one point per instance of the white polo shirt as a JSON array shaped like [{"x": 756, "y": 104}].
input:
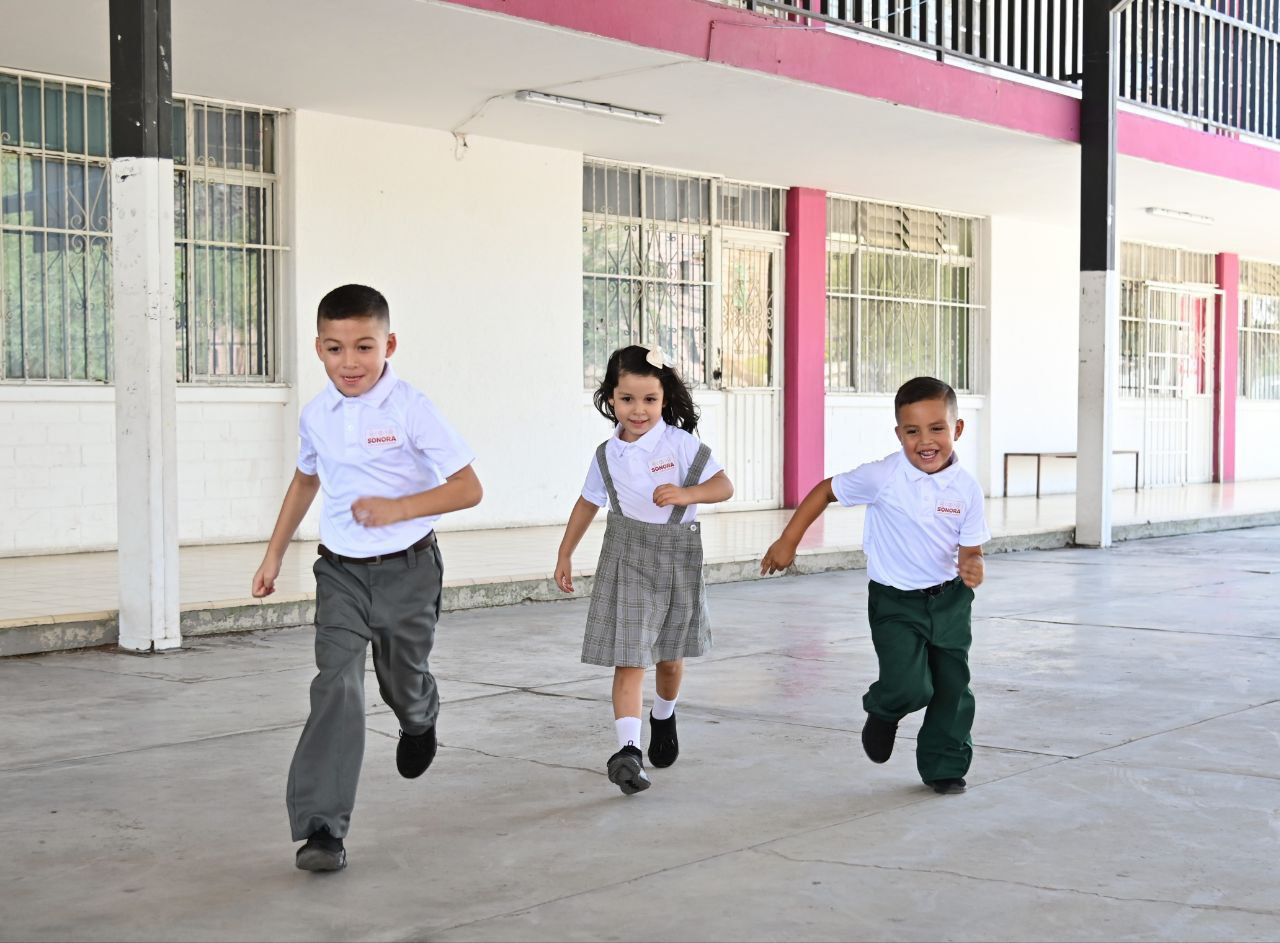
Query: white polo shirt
[
  {"x": 915, "y": 521},
  {"x": 661, "y": 456},
  {"x": 386, "y": 443}
]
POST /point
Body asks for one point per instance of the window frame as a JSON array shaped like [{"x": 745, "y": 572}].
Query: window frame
[
  {"x": 856, "y": 297},
  {"x": 270, "y": 329}
]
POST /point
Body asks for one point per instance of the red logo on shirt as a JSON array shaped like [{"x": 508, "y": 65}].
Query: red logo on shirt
[
  {"x": 948, "y": 509},
  {"x": 661, "y": 465},
  {"x": 381, "y": 437}
]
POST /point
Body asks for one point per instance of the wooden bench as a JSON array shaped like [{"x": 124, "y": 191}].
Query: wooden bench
[{"x": 1040, "y": 456}]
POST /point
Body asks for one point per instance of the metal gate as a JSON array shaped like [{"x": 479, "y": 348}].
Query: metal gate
[
  {"x": 750, "y": 362},
  {"x": 1176, "y": 385}
]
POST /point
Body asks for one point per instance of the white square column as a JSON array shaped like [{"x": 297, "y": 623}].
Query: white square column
[{"x": 145, "y": 344}]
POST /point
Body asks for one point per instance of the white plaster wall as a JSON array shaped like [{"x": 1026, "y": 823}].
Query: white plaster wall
[
  {"x": 1257, "y": 452},
  {"x": 480, "y": 260},
  {"x": 859, "y": 428},
  {"x": 1032, "y": 360},
  {"x": 58, "y": 471}
]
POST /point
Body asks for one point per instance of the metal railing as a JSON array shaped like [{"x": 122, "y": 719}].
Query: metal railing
[{"x": 1216, "y": 62}]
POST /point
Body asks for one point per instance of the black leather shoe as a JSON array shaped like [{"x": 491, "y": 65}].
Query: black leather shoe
[
  {"x": 626, "y": 771},
  {"x": 944, "y": 787},
  {"x": 415, "y": 752},
  {"x": 663, "y": 745},
  {"x": 877, "y": 738},
  {"x": 322, "y": 852}
]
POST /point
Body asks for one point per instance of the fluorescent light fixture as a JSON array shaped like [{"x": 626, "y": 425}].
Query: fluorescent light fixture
[
  {"x": 1180, "y": 215},
  {"x": 594, "y": 108}
]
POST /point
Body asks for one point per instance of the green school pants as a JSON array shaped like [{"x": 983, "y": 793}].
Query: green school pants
[{"x": 922, "y": 643}]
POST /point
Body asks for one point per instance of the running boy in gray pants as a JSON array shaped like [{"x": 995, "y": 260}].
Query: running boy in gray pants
[{"x": 389, "y": 466}]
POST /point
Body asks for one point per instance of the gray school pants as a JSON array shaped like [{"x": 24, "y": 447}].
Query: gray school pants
[{"x": 394, "y": 604}]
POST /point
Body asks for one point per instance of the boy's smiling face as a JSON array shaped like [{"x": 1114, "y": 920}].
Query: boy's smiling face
[
  {"x": 354, "y": 352},
  {"x": 928, "y": 430}
]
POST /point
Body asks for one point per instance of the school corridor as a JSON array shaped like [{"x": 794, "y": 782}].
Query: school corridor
[{"x": 1124, "y": 783}]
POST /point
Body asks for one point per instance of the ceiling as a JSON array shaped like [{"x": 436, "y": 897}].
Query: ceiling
[{"x": 434, "y": 64}]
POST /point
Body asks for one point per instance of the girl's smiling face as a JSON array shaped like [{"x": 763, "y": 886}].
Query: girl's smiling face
[{"x": 637, "y": 402}]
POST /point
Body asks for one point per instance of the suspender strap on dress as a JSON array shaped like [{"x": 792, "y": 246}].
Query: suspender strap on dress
[
  {"x": 691, "y": 479},
  {"x": 603, "y": 464}
]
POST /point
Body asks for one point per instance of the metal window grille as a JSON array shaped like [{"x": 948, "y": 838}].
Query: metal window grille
[
  {"x": 645, "y": 274},
  {"x": 227, "y": 248},
  {"x": 1153, "y": 345},
  {"x": 55, "y": 220},
  {"x": 55, "y": 239},
  {"x": 903, "y": 296},
  {"x": 1259, "y": 330}
]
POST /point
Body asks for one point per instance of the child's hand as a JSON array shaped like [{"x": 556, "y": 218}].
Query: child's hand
[
  {"x": 972, "y": 570},
  {"x": 376, "y": 512},
  {"x": 669, "y": 496},
  {"x": 564, "y": 574},
  {"x": 778, "y": 557},
  {"x": 264, "y": 581}
]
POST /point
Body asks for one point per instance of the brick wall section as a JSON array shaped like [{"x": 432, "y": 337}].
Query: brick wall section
[{"x": 58, "y": 473}]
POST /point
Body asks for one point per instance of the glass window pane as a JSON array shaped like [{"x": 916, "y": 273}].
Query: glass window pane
[
  {"x": 8, "y": 109},
  {"x": 9, "y": 190},
  {"x": 33, "y": 363},
  {"x": 75, "y": 119},
  {"x": 54, "y": 300},
  {"x": 98, "y": 197},
  {"x": 54, "y": 138},
  {"x": 234, "y": 146},
  {"x": 55, "y": 194},
  {"x": 32, "y": 113},
  {"x": 98, "y": 331},
  {"x": 179, "y": 133},
  {"x": 11, "y": 246},
  {"x": 97, "y": 122}
]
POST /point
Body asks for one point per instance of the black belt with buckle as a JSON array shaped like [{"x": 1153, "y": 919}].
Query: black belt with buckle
[
  {"x": 332, "y": 557},
  {"x": 940, "y": 588}
]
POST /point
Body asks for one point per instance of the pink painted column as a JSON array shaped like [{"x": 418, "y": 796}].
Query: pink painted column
[
  {"x": 1226, "y": 367},
  {"x": 804, "y": 344}
]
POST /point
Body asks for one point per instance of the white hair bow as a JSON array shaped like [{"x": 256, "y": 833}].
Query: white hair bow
[{"x": 657, "y": 358}]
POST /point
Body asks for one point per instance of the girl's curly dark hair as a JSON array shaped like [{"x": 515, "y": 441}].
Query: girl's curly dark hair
[{"x": 678, "y": 408}]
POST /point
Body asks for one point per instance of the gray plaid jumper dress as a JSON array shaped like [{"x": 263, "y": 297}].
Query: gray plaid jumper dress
[{"x": 648, "y": 601}]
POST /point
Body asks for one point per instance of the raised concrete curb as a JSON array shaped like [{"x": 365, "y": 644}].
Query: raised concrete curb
[{"x": 89, "y": 630}]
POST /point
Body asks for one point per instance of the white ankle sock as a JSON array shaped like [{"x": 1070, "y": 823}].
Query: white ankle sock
[
  {"x": 628, "y": 730},
  {"x": 662, "y": 708}
]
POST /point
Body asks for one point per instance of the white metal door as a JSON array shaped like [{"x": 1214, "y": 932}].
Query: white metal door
[
  {"x": 750, "y": 362},
  {"x": 1177, "y": 387}
]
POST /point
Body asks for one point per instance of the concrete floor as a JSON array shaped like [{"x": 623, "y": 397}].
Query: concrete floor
[{"x": 1126, "y": 783}]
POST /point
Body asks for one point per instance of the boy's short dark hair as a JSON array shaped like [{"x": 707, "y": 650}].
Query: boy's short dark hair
[
  {"x": 354, "y": 301},
  {"x": 919, "y": 389}
]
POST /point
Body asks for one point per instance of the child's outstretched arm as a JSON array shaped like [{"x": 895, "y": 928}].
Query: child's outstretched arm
[
  {"x": 715, "y": 489},
  {"x": 460, "y": 490},
  {"x": 580, "y": 519},
  {"x": 783, "y": 551},
  {"x": 973, "y": 569},
  {"x": 297, "y": 500}
]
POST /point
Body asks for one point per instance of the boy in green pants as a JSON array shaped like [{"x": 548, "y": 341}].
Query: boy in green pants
[{"x": 923, "y": 539}]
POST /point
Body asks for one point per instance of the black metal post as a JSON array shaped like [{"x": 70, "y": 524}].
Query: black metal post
[{"x": 141, "y": 79}]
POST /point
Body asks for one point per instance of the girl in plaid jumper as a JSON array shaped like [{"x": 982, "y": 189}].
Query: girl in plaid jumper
[{"x": 648, "y": 602}]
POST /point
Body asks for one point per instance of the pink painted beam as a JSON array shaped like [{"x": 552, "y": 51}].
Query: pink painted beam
[
  {"x": 739, "y": 39},
  {"x": 804, "y": 345},
  {"x": 1226, "y": 367}
]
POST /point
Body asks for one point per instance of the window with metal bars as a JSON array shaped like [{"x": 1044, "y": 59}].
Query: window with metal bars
[
  {"x": 903, "y": 296},
  {"x": 1259, "y": 330},
  {"x": 55, "y": 238},
  {"x": 1159, "y": 345},
  {"x": 645, "y": 276}
]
